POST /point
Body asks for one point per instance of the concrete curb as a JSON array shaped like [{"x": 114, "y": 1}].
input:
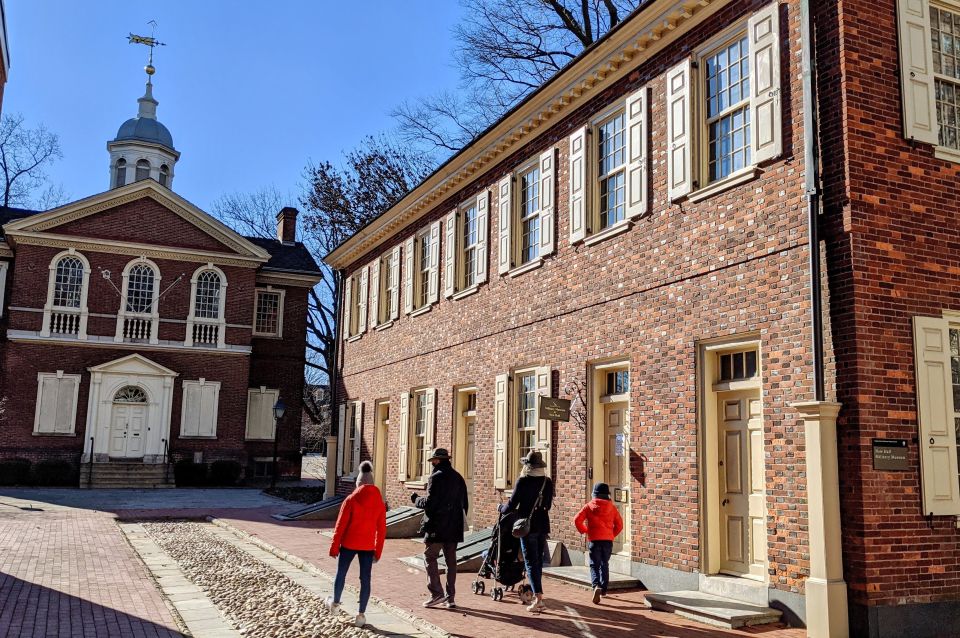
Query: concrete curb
[{"x": 427, "y": 627}]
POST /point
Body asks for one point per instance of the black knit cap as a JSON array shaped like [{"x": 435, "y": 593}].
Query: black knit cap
[{"x": 601, "y": 490}]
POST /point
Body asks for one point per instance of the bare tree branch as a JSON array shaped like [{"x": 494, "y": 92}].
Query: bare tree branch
[{"x": 25, "y": 154}]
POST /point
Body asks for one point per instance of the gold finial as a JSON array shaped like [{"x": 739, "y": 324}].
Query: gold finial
[{"x": 149, "y": 41}]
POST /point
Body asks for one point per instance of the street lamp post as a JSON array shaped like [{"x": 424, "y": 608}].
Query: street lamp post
[{"x": 278, "y": 409}]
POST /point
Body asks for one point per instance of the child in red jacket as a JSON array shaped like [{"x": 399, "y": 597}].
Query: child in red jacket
[
  {"x": 601, "y": 522},
  {"x": 360, "y": 531}
]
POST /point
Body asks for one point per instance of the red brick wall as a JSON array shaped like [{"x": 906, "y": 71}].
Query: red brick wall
[
  {"x": 893, "y": 234},
  {"x": 733, "y": 264}
]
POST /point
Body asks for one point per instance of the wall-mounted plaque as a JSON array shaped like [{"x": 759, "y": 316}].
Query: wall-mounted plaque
[
  {"x": 554, "y": 409},
  {"x": 890, "y": 454}
]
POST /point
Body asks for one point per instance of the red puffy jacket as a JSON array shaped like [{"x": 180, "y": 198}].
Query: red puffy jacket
[
  {"x": 362, "y": 523},
  {"x": 599, "y": 520}
]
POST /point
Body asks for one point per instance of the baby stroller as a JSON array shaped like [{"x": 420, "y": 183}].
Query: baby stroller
[{"x": 503, "y": 562}]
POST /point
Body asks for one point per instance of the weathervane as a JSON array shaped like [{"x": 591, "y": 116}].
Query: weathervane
[{"x": 149, "y": 41}]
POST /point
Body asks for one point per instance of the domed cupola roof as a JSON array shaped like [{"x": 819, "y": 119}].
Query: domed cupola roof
[{"x": 145, "y": 127}]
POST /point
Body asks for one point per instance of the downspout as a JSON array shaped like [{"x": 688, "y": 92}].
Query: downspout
[{"x": 811, "y": 171}]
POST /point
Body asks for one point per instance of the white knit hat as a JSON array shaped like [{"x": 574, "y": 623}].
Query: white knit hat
[{"x": 365, "y": 477}]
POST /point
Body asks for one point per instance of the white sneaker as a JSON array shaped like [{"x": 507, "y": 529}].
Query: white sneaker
[
  {"x": 361, "y": 620},
  {"x": 537, "y": 605},
  {"x": 331, "y": 606}
]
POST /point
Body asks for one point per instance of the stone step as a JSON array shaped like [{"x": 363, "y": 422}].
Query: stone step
[
  {"x": 578, "y": 575},
  {"x": 126, "y": 475},
  {"x": 712, "y": 610}
]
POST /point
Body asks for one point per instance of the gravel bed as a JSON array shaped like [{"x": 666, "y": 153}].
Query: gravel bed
[{"x": 257, "y": 599}]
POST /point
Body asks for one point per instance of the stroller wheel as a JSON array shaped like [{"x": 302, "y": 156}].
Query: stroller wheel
[
  {"x": 481, "y": 587},
  {"x": 497, "y": 593}
]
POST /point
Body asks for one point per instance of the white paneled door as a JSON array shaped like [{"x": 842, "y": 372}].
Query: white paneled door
[
  {"x": 617, "y": 469},
  {"x": 128, "y": 427},
  {"x": 743, "y": 537}
]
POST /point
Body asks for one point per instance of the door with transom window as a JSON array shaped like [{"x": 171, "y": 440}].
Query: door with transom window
[{"x": 128, "y": 423}]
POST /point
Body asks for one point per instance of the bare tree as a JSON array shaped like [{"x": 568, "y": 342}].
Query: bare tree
[
  {"x": 25, "y": 155},
  {"x": 507, "y": 49},
  {"x": 339, "y": 200}
]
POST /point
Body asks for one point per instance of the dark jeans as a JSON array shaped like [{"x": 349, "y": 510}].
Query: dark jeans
[
  {"x": 430, "y": 556},
  {"x": 343, "y": 565},
  {"x": 600, "y": 563},
  {"x": 533, "y": 546}
]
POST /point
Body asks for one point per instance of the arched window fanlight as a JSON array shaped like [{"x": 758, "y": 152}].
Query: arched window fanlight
[
  {"x": 130, "y": 394},
  {"x": 121, "y": 172},
  {"x": 143, "y": 169},
  {"x": 164, "y": 174}
]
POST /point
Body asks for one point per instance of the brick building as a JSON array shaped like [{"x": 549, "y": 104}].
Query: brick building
[
  {"x": 635, "y": 237},
  {"x": 136, "y": 329}
]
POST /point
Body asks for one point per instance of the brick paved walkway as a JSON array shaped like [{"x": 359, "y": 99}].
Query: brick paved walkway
[
  {"x": 68, "y": 572},
  {"x": 570, "y": 611}
]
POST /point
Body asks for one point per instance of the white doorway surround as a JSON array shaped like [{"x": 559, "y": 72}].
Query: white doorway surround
[{"x": 128, "y": 411}]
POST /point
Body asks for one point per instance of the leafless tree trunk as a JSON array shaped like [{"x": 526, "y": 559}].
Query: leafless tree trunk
[{"x": 25, "y": 154}]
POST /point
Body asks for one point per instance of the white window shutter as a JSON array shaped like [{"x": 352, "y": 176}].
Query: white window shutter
[
  {"x": 578, "y": 185},
  {"x": 483, "y": 212},
  {"x": 938, "y": 436},
  {"x": 917, "y": 87},
  {"x": 433, "y": 290},
  {"x": 547, "y": 202},
  {"x": 404, "y": 435},
  {"x": 766, "y": 118},
  {"x": 375, "y": 293},
  {"x": 254, "y": 401},
  {"x": 357, "y": 435},
  {"x": 341, "y": 438},
  {"x": 430, "y": 416},
  {"x": 347, "y": 306},
  {"x": 190, "y": 419},
  {"x": 395, "y": 280},
  {"x": 679, "y": 132},
  {"x": 638, "y": 201},
  {"x": 66, "y": 404},
  {"x": 545, "y": 428},
  {"x": 501, "y": 420},
  {"x": 450, "y": 255},
  {"x": 362, "y": 303},
  {"x": 504, "y": 202},
  {"x": 209, "y": 408},
  {"x": 408, "y": 263}
]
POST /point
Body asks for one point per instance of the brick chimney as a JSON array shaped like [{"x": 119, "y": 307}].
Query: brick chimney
[{"x": 287, "y": 225}]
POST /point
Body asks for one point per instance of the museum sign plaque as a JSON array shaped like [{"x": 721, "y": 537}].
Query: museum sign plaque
[
  {"x": 890, "y": 454},
  {"x": 554, "y": 409}
]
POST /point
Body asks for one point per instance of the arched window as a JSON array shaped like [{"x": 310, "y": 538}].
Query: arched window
[
  {"x": 140, "y": 284},
  {"x": 121, "y": 172},
  {"x": 68, "y": 283},
  {"x": 164, "y": 174},
  {"x": 207, "y": 299},
  {"x": 130, "y": 394},
  {"x": 143, "y": 169}
]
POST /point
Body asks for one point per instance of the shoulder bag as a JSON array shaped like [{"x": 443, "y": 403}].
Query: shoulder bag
[{"x": 521, "y": 527}]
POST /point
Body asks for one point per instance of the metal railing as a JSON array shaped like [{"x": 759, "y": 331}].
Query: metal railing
[{"x": 90, "y": 465}]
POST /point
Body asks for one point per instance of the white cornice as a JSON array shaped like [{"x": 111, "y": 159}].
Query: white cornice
[
  {"x": 146, "y": 188},
  {"x": 93, "y": 341},
  {"x": 92, "y": 244},
  {"x": 650, "y": 30},
  {"x": 288, "y": 279}
]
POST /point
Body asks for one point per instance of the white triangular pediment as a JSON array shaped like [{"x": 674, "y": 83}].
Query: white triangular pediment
[
  {"x": 49, "y": 220},
  {"x": 134, "y": 364}
]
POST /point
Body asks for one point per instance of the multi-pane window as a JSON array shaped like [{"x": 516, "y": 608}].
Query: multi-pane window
[
  {"x": 526, "y": 413},
  {"x": 423, "y": 270},
  {"x": 349, "y": 438},
  {"x": 420, "y": 451},
  {"x": 140, "y": 283},
  {"x": 470, "y": 236},
  {"x": 945, "y": 38},
  {"x": 268, "y": 308},
  {"x": 207, "y": 301},
  {"x": 618, "y": 382},
  {"x": 737, "y": 366},
  {"x": 611, "y": 161},
  {"x": 955, "y": 380},
  {"x": 727, "y": 90},
  {"x": 387, "y": 284},
  {"x": 68, "y": 283},
  {"x": 530, "y": 215}
]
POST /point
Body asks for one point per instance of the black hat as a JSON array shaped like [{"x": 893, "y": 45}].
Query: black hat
[
  {"x": 601, "y": 490},
  {"x": 533, "y": 459},
  {"x": 440, "y": 453}
]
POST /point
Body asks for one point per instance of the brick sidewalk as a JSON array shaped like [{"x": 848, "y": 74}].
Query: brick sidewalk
[
  {"x": 570, "y": 611},
  {"x": 67, "y": 572}
]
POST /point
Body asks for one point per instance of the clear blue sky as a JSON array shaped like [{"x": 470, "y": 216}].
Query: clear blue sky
[{"x": 249, "y": 90}]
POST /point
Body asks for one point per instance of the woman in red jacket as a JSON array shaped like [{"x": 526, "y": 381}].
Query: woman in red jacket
[
  {"x": 601, "y": 522},
  {"x": 360, "y": 531}
]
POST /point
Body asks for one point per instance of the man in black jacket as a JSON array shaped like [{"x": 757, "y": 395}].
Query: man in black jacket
[{"x": 445, "y": 507}]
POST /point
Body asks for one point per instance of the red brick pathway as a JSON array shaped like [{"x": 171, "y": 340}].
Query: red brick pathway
[
  {"x": 66, "y": 572},
  {"x": 570, "y": 611}
]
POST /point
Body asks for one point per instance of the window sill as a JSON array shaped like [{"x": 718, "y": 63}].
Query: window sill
[
  {"x": 743, "y": 384},
  {"x": 59, "y": 434},
  {"x": 200, "y": 438},
  {"x": 259, "y": 335},
  {"x": 354, "y": 338},
  {"x": 947, "y": 154},
  {"x": 260, "y": 441},
  {"x": 466, "y": 292},
  {"x": 420, "y": 311},
  {"x": 527, "y": 267},
  {"x": 615, "y": 398},
  {"x": 416, "y": 485},
  {"x": 606, "y": 233},
  {"x": 735, "y": 179},
  {"x": 384, "y": 326}
]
